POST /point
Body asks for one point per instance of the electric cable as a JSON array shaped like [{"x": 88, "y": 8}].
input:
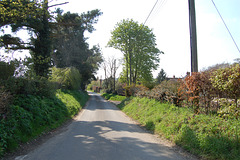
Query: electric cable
[
  {"x": 157, "y": 9},
  {"x": 226, "y": 26},
  {"x": 150, "y": 12}
]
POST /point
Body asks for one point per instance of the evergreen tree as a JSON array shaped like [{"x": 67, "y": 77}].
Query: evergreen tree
[
  {"x": 70, "y": 46},
  {"x": 34, "y": 16},
  {"x": 161, "y": 76}
]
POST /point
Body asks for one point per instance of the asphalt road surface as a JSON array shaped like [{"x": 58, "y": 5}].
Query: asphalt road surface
[{"x": 102, "y": 132}]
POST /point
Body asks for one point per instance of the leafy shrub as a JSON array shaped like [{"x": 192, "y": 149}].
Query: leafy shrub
[
  {"x": 138, "y": 90},
  {"x": 120, "y": 88},
  {"x": 197, "y": 90},
  {"x": 67, "y": 78},
  {"x": 202, "y": 90},
  {"x": 36, "y": 86},
  {"x": 227, "y": 80},
  {"x": 228, "y": 109},
  {"x": 167, "y": 91}
]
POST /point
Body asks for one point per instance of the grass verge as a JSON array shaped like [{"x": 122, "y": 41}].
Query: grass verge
[
  {"x": 30, "y": 116},
  {"x": 113, "y": 97},
  {"x": 207, "y": 136}
]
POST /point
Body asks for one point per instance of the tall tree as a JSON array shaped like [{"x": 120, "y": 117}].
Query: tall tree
[
  {"x": 33, "y": 16},
  {"x": 138, "y": 44},
  {"x": 70, "y": 46}
]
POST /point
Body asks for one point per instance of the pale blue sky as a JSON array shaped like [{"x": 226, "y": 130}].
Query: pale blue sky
[{"x": 170, "y": 24}]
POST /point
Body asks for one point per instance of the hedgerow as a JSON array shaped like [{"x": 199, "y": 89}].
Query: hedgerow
[
  {"x": 208, "y": 92},
  {"x": 200, "y": 112},
  {"x": 206, "y": 135}
]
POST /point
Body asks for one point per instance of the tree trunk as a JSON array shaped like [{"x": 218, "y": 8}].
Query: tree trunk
[
  {"x": 114, "y": 75},
  {"x": 127, "y": 69},
  {"x": 130, "y": 63}
]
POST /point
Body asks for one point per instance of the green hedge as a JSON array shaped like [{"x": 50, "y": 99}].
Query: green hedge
[
  {"x": 31, "y": 115},
  {"x": 68, "y": 78},
  {"x": 208, "y": 136}
]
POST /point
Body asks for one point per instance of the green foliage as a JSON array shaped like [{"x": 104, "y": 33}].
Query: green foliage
[
  {"x": 30, "y": 116},
  {"x": 37, "y": 86},
  {"x": 138, "y": 43},
  {"x": 228, "y": 109},
  {"x": 15, "y": 11},
  {"x": 138, "y": 90},
  {"x": 204, "y": 90},
  {"x": 167, "y": 91},
  {"x": 227, "y": 80},
  {"x": 210, "y": 137},
  {"x": 5, "y": 100},
  {"x": 113, "y": 97},
  {"x": 161, "y": 76},
  {"x": 6, "y": 70},
  {"x": 68, "y": 78},
  {"x": 34, "y": 16},
  {"x": 73, "y": 100},
  {"x": 70, "y": 46}
]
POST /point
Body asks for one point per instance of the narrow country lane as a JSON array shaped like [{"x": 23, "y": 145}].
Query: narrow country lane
[{"x": 102, "y": 132}]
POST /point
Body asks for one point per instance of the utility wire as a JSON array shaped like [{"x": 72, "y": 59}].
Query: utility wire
[
  {"x": 226, "y": 26},
  {"x": 157, "y": 9},
  {"x": 150, "y": 12}
]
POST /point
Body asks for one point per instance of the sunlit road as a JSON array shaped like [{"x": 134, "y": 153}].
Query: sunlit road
[{"x": 102, "y": 132}]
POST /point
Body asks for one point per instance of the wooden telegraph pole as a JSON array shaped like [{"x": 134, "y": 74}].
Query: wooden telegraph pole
[{"x": 193, "y": 36}]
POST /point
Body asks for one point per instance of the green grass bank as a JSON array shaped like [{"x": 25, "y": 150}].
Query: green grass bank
[
  {"x": 209, "y": 137},
  {"x": 113, "y": 97},
  {"x": 30, "y": 116}
]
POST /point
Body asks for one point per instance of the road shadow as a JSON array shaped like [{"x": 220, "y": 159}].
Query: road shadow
[{"x": 108, "y": 140}]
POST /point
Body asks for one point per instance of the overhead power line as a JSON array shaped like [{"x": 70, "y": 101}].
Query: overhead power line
[
  {"x": 226, "y": 26},
  {"x": 157, "y": 9},
  {"x": 150, "y": 12}
]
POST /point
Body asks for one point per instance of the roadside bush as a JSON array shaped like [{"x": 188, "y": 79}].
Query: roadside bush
[
  {"x": 227, "y": 81},
  {"x": 229, "y": 109},
  {"x": 197, "y": 91},
  {"x": 120, "y": 88},
  {"x": 138, "y": 90},
  {"x": 35, "y": 86},
  {"x": 67, "y": 78},
  {"x": 205, "y": 91},
  {"x": 167, "y": 91}
]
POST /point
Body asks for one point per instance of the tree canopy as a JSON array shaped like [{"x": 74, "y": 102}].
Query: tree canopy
[
  {"x": 33, "y": 16},
  {"x": 70, "y": 46},
  {"x": 55, "y": 39},
  {"x": 138, "y": 44}
]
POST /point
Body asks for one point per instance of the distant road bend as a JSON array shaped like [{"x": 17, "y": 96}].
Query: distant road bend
[{"x": 102, "y": 132}]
